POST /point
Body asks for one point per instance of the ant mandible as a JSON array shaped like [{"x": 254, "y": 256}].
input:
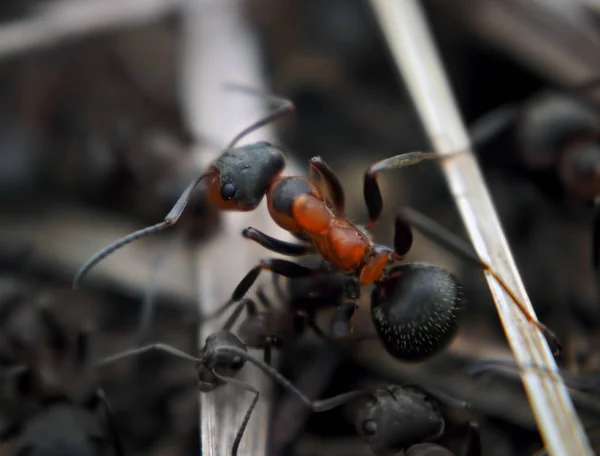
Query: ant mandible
[{"x": 312, "y": 209}]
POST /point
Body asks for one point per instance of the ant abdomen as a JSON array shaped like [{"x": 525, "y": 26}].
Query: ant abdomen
[{"x": 416, "y": 310}]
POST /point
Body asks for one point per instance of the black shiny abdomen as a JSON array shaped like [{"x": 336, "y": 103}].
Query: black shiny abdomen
[{"x": 416, "y": 311}]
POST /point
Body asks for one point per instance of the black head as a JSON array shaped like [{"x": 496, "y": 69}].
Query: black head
[
  {"x": 416, "y": 310},
  {"x": 242, "y": 175},
  {"x": 549, "y": 122},
  {"x": 214, "y": 358},
  {"x": 394, "y": 418}
]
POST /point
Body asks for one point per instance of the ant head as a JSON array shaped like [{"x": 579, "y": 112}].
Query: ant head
[
  {"x": 580, "y": 169},
  {"x": 428, "y": 449},
  {"x": 242, "y": 175},
  {"x": 393, "y": 418},
  {"x": 415, "y": 310},
  {"x": 214, "y": 357},
  {"x": 550, "y": 121}
]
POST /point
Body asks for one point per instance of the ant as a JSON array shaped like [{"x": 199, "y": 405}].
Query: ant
[
  {"x": 46, "y": 400},
  {"x": 555, "y": 137},
  {"x": 222, "y": 357},
  {"x": 403, "y": 418},
  {"x": 312, "y": 209}
]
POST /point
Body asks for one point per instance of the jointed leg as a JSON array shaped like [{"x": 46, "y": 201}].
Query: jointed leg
[
  {"x": 340, "y": 322},
  {"x": 240, "y": 432},
  {"x": 247, "y": 303},
  {"x": 492, "y": 124},
  {"x": 325, "y": 178},
  {"x": 277, "y": 245},
  {"x": 285, "y": 268},
  {"x": 372, "y": 193},
  {"x": 100, "y": 398},
  {"x": 463, "y": 249},
  {"x": 158, "y": 347}
]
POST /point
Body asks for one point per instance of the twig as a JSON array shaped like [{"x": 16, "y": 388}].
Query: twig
[
  {"x": 413, "y": 49},
  {"x": 68, "y": 19},
  {"x": 219, "y": 48},
  {"x": 548, "y": 43}
]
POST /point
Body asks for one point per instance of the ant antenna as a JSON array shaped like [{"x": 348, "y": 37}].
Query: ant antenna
[
  {"x": 285, "y": 108},
  {"x": 496, "y": 365},
  {"x": 169, "y": 220},
  {"x": 453, "y": 243}
]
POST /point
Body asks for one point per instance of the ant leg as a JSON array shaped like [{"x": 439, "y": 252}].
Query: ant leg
[
  {"x": 277, "y": 245},
  {"x": 321, "y": 173},
  {"x": 171, "y": 218},
  {"x": 240, "y": 432},
  {"x": 250, "y": 307},
  {"x": 340, "y": 322},
  {"x": 403, "y": 237},
  {"x": 453, "y": 243},
  {"x": 159, "y": 347},
  {"x": 371, "y": 191},
  {"x": 472, "y": 446},
  {"x": 262, "y": 297},
  {"x": 316, "y": 406},
  {"x": 270, "y": 343},
  {"x": 492, "y": 124},
  {"x": 286, "y": 107},
  {"x": 278, "y": 266},
  {"x": 100, "y": 398},
  {"x": 499, "y": 366}
]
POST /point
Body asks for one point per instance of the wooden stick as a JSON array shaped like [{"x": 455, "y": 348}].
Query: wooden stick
[
  {"x": 219, "y": 48},
  {"x": 413, "y": 50}
]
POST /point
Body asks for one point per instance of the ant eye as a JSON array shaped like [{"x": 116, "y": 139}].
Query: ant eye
[
  {"x": 227, "y": 191},
  {"x": 369, "y": 427}
]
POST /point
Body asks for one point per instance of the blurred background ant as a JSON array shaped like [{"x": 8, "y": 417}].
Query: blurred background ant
[
  {"x": 551, "y": 138},
  {"x": 50, "y": 402}
]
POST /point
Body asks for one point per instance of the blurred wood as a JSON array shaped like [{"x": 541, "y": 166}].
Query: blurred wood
[
  {"x": 63, "y": 237},
  {"x": 218, "y": 48},
  {"x": 67, "y": 19},
  {"x": 561, "y": 48},
  {"x": 414, "y": 52}
]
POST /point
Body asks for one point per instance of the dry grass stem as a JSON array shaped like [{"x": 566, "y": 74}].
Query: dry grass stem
[
  {"x": 219, "y": 48},
  {"x": 528, "y": 32},
  {"x": 412, "y": 47},
  {"x": 68, "y": 19}
]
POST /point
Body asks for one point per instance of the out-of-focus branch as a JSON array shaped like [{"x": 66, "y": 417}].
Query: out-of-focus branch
[
  {"x": 220, "y": 48},
  {"x": 414, "y": 52},
  {"x": 68, "y": 19},
  {"x": 561, "y": 48}
]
